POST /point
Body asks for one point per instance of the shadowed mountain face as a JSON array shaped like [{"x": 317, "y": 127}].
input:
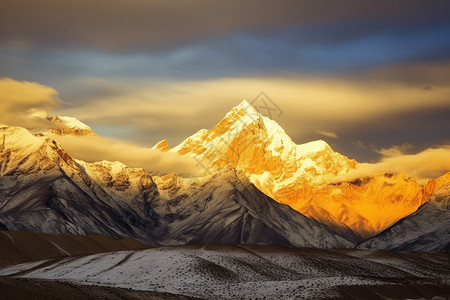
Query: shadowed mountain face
[
  {"x": 227, "y": 208},
  {"x": 428, "y": 229},
  {"x": 44, "y": 189}
]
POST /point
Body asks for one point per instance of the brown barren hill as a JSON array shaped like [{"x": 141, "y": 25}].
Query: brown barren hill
[{"x": 24, "y": 246}]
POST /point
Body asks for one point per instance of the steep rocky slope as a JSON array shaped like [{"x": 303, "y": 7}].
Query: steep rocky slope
[
  {"x": 227, "y": 208},
  {"x": 44, "y": 189}
]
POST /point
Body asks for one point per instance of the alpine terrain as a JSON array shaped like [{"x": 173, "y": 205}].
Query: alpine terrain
[
  {"x": 44, "y": 189},
  {"x": 259, "y": 188},
  {"x": 302, "y": 176}
]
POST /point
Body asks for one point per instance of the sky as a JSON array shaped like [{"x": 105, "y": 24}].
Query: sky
[{"x": 371, "y": 78}]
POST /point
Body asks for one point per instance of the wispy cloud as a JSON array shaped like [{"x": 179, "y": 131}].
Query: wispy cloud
[
  {"x": 93, "y": 149},
  {"x": 395, "y": 151},
  {"x": 430, "y": 163},
  {"x": 328, "y": 134},
  {"x": 26, "y": 104}
]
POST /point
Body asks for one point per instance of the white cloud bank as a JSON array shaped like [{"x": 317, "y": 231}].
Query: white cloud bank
[
  {"x": 156, "y": 162},
  {"x": 425, "y": 165}
]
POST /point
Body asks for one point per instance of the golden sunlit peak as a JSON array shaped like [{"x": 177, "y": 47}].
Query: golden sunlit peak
[
  {"x": 162, "y": 145},
  {"x": 245, "y": 108}
]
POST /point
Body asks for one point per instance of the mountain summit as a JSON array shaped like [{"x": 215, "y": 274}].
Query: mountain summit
[
  {"x": 62, "y": 125},
  {"x": 299, "y": 175}
]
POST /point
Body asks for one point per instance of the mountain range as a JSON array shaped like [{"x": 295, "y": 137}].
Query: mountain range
[
  {"x": 259, "y": 188},
  {"x": 301, "y": 176}
]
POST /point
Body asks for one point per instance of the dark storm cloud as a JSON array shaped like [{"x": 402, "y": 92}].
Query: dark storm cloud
[
  {"x": 422, "y": 128},
  {"x": 238, "y": 54},
  {"x": 139, "y": 24}
]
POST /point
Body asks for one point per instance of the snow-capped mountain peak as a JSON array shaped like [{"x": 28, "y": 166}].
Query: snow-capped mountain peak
[
  {"x": 161, "y": 145},
  {"x": 298, "y": 175},
  {"x": 63, "y": 125},
  {"x": 244, "y": 111}
]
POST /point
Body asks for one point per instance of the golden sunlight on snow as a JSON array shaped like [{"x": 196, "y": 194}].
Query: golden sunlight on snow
[{"x": 299, "y": 175}]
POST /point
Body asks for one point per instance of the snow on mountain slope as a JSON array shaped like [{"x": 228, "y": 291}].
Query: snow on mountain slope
[
  {"x": 298, "y": 175},
  {"x": 62, "y": 125},
  {"x": 254, "y": 272},
  {"x": 428, "y": 229},
  {"x": 227, "y": 208},
  {"x": 133, "y": 186},
  {"x": 44, "y": 189},
  {"x": 433, "y": 185},
  {"x": 162, "y": 145}
]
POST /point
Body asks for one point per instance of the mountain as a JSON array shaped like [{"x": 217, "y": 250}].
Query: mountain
[
  {"x": 300, "y": 175},
  {"x": 428, "y": 229},
  {"x": 162, "y": 145},
  {"x": 227, "y": 208},
  {"x": 44, "y": 189},
  {"x": 62, "y": 125},
  {"x": 433, "y": 185}
]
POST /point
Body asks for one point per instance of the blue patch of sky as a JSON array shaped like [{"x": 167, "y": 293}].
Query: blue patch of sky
[{"x": 331, "y": 48}]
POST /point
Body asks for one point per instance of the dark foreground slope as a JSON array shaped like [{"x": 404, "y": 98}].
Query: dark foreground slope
[
  {"x": 25, "y": 289},
  {"x": 251, "y": 272},
  {"x": 22, "y": 246}
]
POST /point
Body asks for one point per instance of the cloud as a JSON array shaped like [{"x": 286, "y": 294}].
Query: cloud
[
  {"x": 328, "y": 134},
  {"x": 156, "y": 162},
  {"x": 425, "y": 165},
  {"x": 157, "y": 108},
  {"x": 26, "y": 104},
  {"x": 394, "y": 151},
  {"x": 360, "y": 144},
  {"x": 23, "y": 103},
  {"x": 425, "y": 74},
  {"x": 137, "y": 24}
]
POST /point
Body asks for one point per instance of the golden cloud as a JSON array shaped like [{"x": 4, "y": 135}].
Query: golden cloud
[
  {"x": 156, "y": 162},
  {"x": 308, "y": 103},
  {"x": 23, "y": 103},
  {"x": 328, "y": 134},
  {"x": 430, "y": 163}
]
